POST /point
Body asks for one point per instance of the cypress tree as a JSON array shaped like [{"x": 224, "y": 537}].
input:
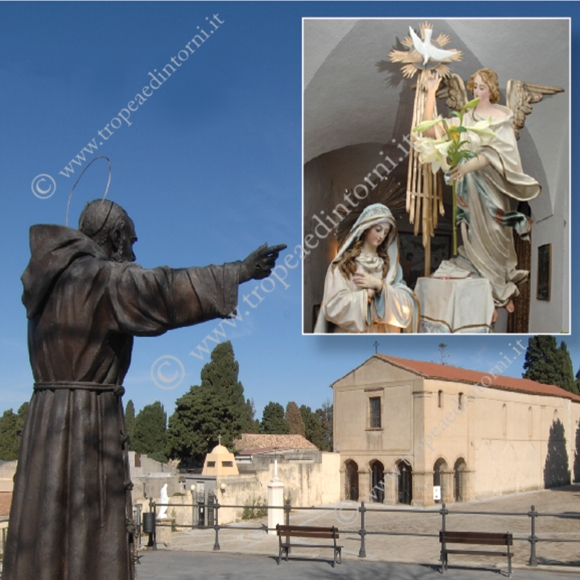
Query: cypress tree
[
  {"x": 11, "y": 425},
  {"x": 130, "y": 422},
  {"x": 8, "y": 437},
  {"x": 566, "y": 369},
  {"x": 313, "y": 428},
  {"x": 150, "y": 431},
  {"x": 325, "y": 415},
  {"x": 294, "y": 419},
  {"x": 548, "y": 363}
]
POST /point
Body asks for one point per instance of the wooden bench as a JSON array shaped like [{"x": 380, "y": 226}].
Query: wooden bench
[
  {"x": 481, "y": 538},
  {"x": 308, "y": 532}
]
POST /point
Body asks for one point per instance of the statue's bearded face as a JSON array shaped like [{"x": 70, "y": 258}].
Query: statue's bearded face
[{"x": 124, "y": 251}]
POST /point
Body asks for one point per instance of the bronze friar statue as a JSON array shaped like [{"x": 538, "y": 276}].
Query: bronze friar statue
[{"x": 85, "y": 300}]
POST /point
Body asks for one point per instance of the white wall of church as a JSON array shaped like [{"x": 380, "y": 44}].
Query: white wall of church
[{"x": 504, "y": 436}]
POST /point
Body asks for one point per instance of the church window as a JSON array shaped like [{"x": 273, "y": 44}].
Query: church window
[{"x": 375, "y": 412}]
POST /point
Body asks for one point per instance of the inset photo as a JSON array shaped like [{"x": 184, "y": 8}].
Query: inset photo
[{"x": 436, "y": 176}]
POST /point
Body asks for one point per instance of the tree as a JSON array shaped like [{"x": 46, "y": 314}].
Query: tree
[
  {"x": 577, "y": 381},
  {"x": 11, "y": 425},
  {"x": 294, "y": 419},
  {"x": 8, "y": 439},
  {"x": 325, "y": 414},
  {"x": 549, "y": 364},
  {"x": 130, "y": 422},
  {"x": 566, "y": 369},
  {"x": 216, "y": 407},
  {"x": 273, "y": 421},
  {"x": 250, "y": 423},
  {"x": 150, "y": 431},
  {"x": 313, "y": 428}
]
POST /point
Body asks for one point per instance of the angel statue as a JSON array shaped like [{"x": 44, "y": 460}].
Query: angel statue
[{"x": 490, "y": 178}]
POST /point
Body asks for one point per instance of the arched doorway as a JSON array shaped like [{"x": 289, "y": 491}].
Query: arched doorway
[
  {"x": 459, "y": 480},
  {"x": 377, "y": 482},
  {"x": 351, "y": 480},
  {"x": 439, "y": 469},
  {"x": 405, "y": 483}
]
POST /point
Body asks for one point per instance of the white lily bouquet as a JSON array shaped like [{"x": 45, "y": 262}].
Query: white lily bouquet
[{"x": 449, "y": 150}]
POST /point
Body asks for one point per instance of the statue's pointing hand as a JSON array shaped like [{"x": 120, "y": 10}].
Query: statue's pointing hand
[{"x": 260, "y": 262}]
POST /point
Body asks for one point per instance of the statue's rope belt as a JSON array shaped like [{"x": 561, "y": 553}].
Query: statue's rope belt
[{"x": 118, "y": 390}]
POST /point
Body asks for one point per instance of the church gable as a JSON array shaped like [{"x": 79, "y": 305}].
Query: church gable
[{"x": 375, "y": 371}]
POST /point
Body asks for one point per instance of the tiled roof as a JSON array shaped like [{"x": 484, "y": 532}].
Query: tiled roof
[
  {"x": 430, "y": 370},
  {"x": 254, "y": 442}
]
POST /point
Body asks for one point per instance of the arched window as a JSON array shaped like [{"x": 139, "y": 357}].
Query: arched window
[
  {"x": 440, "y": 399},
  {"x": 460, "y": 400}
]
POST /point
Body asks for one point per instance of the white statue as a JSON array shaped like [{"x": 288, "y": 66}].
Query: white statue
[{"x": 164, "y": 500}]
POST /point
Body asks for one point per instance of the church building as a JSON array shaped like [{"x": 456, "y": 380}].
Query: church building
[{"x": 416, "y": 432}]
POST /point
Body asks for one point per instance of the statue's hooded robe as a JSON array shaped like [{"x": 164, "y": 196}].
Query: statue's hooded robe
[{"x": 71, "y": 509}]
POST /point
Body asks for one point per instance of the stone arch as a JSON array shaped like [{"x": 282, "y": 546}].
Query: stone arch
[
  {"x": 405, "y": 482},
  {"x": 377, "y": 481},
  {"x": 351, "y": 480},
  {"x": 440, "y": 470},
  {"x": 460, "y": 480}
]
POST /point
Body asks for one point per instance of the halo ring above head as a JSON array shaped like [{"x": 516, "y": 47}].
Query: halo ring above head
[{"x": 79, "y": 178}]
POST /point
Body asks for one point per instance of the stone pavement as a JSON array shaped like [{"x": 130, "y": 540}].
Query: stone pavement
[
  {"x": 169, "y": 565},
  {"x": 555, "y": 559}
]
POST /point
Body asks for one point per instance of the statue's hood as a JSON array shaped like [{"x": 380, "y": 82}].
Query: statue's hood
[{"x": 53, "y": 249}]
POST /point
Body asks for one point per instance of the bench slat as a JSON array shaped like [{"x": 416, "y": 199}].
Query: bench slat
[
  {"x": 293, "y": 545},
  {"x": 295, "y": 534},
  {"x": 307, "y": 532},
  {"x": 309, "y": 528},
  {"x": 478, "y": 553},
  {"x": 485, "y": 538}
]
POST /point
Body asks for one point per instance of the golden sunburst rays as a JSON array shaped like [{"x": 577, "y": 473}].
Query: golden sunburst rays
[{"x": 432, "y": 49}]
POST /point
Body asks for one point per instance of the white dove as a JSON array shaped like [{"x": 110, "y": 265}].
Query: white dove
[{"x": 426, "y": 49}]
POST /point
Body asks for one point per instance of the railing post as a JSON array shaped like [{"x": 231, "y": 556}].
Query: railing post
[
  {"x": 216, "y": 546},
  {"x": 362, "y": 552},
  {"x": 153, "y": 536},
  {"x": 533, "y": 539},
  {"x": 443, "y": 555},
  {"x": 287, "y": 522}
]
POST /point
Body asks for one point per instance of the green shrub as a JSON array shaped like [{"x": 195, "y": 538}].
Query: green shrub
[{"x": 254, "y": 508}]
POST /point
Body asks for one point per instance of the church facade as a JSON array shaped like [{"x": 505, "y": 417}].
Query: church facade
[{"x": 411, "y": 431}]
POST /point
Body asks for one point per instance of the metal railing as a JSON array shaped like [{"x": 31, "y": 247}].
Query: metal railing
[{"x": 363, "y": 532}]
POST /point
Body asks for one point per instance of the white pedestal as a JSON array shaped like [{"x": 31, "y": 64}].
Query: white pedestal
[{"x": 275, "y": 498}]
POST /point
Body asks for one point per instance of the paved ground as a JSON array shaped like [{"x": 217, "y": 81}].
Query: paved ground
[
  {"x": 255, "y": 548},
  {"x": 169, "y": 565}
]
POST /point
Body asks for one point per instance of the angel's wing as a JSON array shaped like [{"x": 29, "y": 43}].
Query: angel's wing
[
  {"x": 520, "y": 96},
  {"x": 453, "y": 91}
]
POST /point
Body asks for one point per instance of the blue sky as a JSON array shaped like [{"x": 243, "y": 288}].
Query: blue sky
[{"x": 209, "y": 168}]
